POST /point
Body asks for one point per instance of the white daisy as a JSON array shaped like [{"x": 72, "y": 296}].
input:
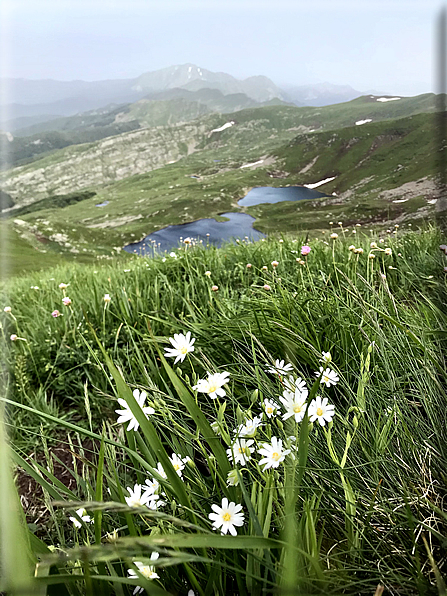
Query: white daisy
[
  {"x": 249, "y": 428},
  {"x": 213, "y": 384},
  {"x": 177, "y": 463},
  {"x": 291, "y": 384},
  {"x": 147, "y": 571},
  {"x": 270, "y": 408},
  {"x": 240, "y": 451},
  {"x": 182, "y": 345},
  {"x": 294, "y": 404},
  {"x": 328, "y": 376},
  {"x": 280, "y": 368},
  {"x": 273, "y": 454},
  {"x": 151, "y": 486},
  {"x": 161, "y": 471},
  {"x": 320, "y": 410},
  {"x": 326, "y": 358},
  {"x": 126, "y": 415},
  {"x": 226, "y": 517},
  {"x": 84, "y": 517},
  {"x": 137, "y": 498}
]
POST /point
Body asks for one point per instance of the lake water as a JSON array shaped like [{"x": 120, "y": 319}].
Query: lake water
[
  {"x": 167, "y": 239},
  {"x": 269, "y": 194}
]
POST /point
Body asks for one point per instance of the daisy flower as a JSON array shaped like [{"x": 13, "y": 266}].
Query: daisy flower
[
  {"x": 269, "y": 408},
  {"x": 292, "y": 384},
  {"x": 147, "y": 571},
  {"x": 213, "y": 384},
  {"x": 320, "y": 410},
  {"x": 182, "y": 345},
  {"x": 249, "y": 428},
  {"x": 177, "y": 463},
  {"x": 107, "y": 298},
  {"x": 137, "y": 498},
  {"x": 273, "y": 454},
  {"x": 126, "y": 415},
  {"x": 328, "y": 376},
  {"x": 82, "y": 513},
  {"x": 161, "y": 471},
  {"x": 280, "y": 368},
  {"x": 227, "y": 517},
  {"x": 326, "y": 358},
  {"x": 7, "y": 309},
  {"x": 294, "y": 404},
  {"x": 151, "y": 486},
  {"x": 239, "y": 453}
]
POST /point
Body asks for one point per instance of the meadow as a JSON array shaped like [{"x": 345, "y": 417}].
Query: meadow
[{"x": 281, "y": 424}]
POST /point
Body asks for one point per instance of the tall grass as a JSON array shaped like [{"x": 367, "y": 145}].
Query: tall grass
[{"x": 356, "y": 504}]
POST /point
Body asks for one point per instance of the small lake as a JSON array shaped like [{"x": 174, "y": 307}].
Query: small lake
[
  {"x": 167, "y": 239},
  {"x": 269, "y": 194}
]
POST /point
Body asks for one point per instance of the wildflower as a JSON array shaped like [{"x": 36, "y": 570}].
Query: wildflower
[
  {"x": 265, "y": 268},
  {"x": 358, "y": 251},
  {"x": 111, "y": 537},
  {"x": 239, "y": 453},
  {"x": 291, "y": 384},
  {"x": 294, "y": 404},
  {"x": 139, "y": 499},
  {"x": 280, "y": 368},
  {"x": 305, "y": 250},
  {"x": 66, "y": 301},
  {"x": 227, "y": 517},
  {"x": 443, "y": 247},
  {"x": 358, "y": 225},
  {"x": 445, "y": 269},
  {"x": 161, "y": 471},
  {"x": 173, "y": 255},
  {"x": 331, "y": 223},
  {"x": 275, "y": 264},
  {"x": 328, "y": 376},
  {"x": 326, "y": 357},
  {"x": 34, "y": 287},
  {"x": 301, "y": 262},
  {"x": 152, "y": 486},
  {"x": 388, "y": 251},
  {"x": 187, "y": 241},
  {"x": 208, "y": 273},
  {"x": 55, "y": 314},
  {"x": 249, "y": 265},
  {"x": 214, "y": 288},
  {"x": 177, "y": 463},
  {"x": 63, "y": 286},
  {"x": 273, "y": 454},
  {"x": 107, "y": 298},
  {"x": 334, "y": 236},
  {"x": 182, "y": 345},
  {"x": 371, "y": 256},
  {"x": 281, "y": 241},
  {"x": 266, "y": 287},
  {"x": 232, "y": 478},
  {"x": 381, "y": 240},
  {"x": 249, "y": 428},
  {"x": 213, "y": 384},
  {"x": 14, "y": 337},
  {"x": 126, "y": 415},
  {"x": 320, "y": 410},
  {"x": 352, "y": 247},
  {"x": 82, "y": 513},
  {"x": 270, "y": 408},
  {"x": 340, "y": 223},
  {"x": 147, "y": 571},
  {"x": 7, "y": 309}
]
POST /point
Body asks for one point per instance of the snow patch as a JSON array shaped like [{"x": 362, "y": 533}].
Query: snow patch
[
  {"x": 359, "y": 122},
  {"x": 227, "y": 125},
  {"x": 316, "y": 184},
  {"x": 400, "y": 200},
  {"x": 432, "y": 201},
  {"x": 384, "y": 99},
  {"x": 249, "y": 165}
]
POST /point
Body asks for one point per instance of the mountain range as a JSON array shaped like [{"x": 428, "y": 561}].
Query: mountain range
[{"x": 37, "y": 101}]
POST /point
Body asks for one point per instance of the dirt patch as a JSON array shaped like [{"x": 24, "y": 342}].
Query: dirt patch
[
  {"x": 115, "y": 223},
  {"x": 423, "y": 186}
]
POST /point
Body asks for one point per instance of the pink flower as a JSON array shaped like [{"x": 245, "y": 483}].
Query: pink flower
[
  {"x": 214, "y": 288},
  {"x": 305, "y": 250},
  {"x": 55, "y": 313},
  {"x": 66, "y": 301}
]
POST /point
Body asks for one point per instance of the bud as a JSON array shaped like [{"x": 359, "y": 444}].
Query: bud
[{"x": 232, "y": 479}]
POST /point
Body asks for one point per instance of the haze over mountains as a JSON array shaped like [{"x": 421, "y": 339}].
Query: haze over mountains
[{"x": 36, "y": 101}]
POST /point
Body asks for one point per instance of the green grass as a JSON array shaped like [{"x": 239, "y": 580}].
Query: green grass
[{"x": 359, "y": 506}]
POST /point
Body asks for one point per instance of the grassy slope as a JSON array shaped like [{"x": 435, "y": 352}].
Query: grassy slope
[{"x": 397, "y": 472}]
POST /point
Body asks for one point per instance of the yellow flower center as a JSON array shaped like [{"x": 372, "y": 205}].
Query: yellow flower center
[
  {"x": 212, "y": 389},
  {"x": 269, "y": 410},
  {"x": 184, "y": 350},
  {"x": 176, "y": 467},
  {"x": 325, "y": 378},
  {"x": 297, "y": 409},
  {"x": 242, "y": 449},
  {"x": 319, "y": 411},
  {"x": 275, "y": 456},
  {"x": 226, "y": 517}
]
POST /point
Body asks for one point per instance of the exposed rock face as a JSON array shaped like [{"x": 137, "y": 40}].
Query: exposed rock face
[
  {"x": 5, "y": 201},
  {"x": 102, "y": 162}
]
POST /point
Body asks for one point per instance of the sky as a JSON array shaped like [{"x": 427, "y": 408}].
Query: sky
[{"x": 383, "y": 46}]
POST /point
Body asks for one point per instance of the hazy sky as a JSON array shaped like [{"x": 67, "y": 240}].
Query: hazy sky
[{"x": 387, "y": 46}]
